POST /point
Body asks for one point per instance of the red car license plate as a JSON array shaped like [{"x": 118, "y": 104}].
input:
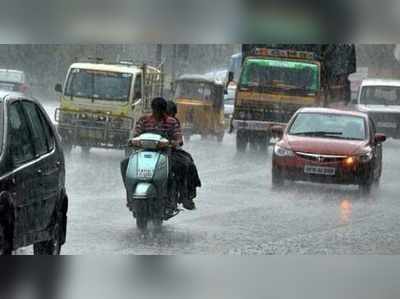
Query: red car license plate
[{"x": 311, "y": 169}]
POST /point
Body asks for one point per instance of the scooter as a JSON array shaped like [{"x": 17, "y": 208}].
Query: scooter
[{"x": 151, "y": 188}]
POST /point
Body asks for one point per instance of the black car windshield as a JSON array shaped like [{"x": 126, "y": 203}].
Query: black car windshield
[
  {"x": 380, "y": 95},
  {"x": 193, "y": 90},
  {"x": 329, "y": 126},
  {"x": 99, "y": 85}
]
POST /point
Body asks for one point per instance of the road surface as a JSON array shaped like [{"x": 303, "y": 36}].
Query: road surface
[{"x": 237, "y": 212}]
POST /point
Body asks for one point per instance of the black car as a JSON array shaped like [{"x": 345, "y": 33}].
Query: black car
[{"x": 33, "y": 199}]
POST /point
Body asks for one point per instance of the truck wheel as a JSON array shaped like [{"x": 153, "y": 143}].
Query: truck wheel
[
  {"x": 264, "y": 143},
  {"x": 277, "y": 179},
  {"x": 241, "y": 141},
  {"x": 220, "y": 138},
  {"x": 253, "y": 142}
]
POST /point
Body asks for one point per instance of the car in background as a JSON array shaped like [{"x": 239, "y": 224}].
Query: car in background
[
  {"x": 380, "y": 99},
  {"x": 328, "y": 146},
  {"x": 356, "y": 80},
  {"x": 13, "y": 80},
  {"x": 33, "y": 199}
]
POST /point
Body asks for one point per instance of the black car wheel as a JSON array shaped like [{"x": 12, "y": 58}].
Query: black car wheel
[
  {"x": 5, "y": 248},
  {"x": 6, "y": 224},
  {"x": 51, "y": 247}
]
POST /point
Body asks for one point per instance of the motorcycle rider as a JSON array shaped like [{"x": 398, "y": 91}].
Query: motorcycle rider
[
  {"x": 160, "y": 122},
  {"x": 192, "y": 176}
]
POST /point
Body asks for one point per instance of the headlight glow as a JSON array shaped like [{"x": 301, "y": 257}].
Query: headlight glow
[{"x": 349, "y": 161}]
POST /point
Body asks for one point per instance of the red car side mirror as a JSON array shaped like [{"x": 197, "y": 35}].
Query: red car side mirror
[
  {"x": 277, "y": 131},
  {"x": 379, "y": 137}
]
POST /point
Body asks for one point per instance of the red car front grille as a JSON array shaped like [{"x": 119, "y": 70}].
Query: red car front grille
[{"x": 321, "y": 158}]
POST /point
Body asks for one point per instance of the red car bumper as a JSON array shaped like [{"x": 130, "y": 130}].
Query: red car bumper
[{"x": 338, "y": 172}]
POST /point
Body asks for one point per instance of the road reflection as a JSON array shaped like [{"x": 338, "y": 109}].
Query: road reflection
[{"x": 345, "y": 209}]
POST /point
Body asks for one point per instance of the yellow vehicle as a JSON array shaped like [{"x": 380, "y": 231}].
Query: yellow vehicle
[
  {"x": 100, "y": 102},
  {"x": 200, "y": 104}
]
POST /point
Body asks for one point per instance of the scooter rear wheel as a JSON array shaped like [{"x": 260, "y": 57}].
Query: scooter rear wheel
[{"x": 141, "y": 222}]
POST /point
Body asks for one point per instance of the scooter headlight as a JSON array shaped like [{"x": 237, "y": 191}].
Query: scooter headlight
[{"x": 283, "y": 152}]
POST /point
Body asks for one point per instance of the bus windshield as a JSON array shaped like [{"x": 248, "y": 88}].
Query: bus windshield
[
  {"x": 280, "y": 75},
  {"x": 99, "y": 85}
]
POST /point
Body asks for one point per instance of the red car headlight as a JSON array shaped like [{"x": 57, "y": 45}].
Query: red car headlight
[{"x": 283, "y": 152}]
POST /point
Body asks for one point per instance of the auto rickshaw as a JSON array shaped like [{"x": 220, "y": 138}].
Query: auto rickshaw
[{"x": 200, "y": 103}]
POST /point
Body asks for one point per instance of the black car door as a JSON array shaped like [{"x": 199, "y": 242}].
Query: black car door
[
  {"x": 23, "y": 170},
  {"x": 48, "y": 164}
]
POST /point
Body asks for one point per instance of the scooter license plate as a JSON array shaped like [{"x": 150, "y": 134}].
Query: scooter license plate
[
  {"x": 145, "y": 173},
  {"x": 311, "y": 169}
]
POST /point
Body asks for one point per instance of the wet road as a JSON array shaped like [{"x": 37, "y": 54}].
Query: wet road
[{"x": 237, "y": 213}]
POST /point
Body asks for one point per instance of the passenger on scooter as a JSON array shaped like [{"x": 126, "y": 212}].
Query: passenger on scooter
[{"x": 192, "y": 176}]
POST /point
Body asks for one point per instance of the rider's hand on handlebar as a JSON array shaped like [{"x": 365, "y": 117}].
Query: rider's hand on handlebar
[
  {"x": 163, "y": 144},
  {"x": 134, "y": 142}
]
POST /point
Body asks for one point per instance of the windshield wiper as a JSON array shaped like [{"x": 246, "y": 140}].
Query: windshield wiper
[{"x": 317, "y": 133}]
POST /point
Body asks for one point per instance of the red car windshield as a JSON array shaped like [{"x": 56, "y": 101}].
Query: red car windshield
[{"x": 326, "y": 125}]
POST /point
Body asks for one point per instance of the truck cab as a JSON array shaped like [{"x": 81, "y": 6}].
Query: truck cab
[
  {"x": 380, "y": 99},
  {"x": 100, "y": 103},
  {"x": 273, "y": 85}
]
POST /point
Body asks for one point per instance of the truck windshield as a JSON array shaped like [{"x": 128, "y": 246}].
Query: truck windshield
[
  {"x": 193, "y": 90},
  {"x": 280, "y": 75},
  {"x": 99, "y": 85},
  {"x": 380, "y": 95}
]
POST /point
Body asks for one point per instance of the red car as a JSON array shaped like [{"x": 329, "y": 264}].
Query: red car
[{"x": 328, "y": 146}]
